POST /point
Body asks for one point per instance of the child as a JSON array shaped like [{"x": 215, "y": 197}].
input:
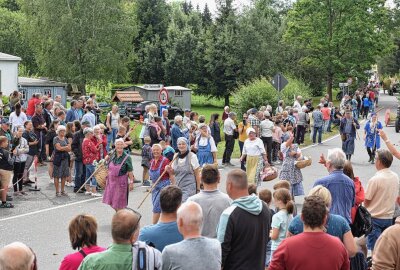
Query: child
[
  {"x": 266, "y": 196},
  {"x": 286, "y": 185},
  {"x": 276, "y": 142},
  {"x": 280, "y": 221},
  {"x": 252, "y": 188},
  {"x": 146, "y": 157},
  {"x": 168, "y": 151}
]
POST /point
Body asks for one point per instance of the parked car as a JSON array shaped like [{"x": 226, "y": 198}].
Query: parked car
[
  {"x": 104, "y": 106},
  {"x": 127, "y": 109},
  {"x": 140, "y": 109}
]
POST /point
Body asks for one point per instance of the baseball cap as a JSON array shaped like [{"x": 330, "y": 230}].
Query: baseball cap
[{"x": 5, "y": 121}]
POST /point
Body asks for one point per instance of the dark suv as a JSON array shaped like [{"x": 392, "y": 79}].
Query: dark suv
[
  {"x": 127, "y": 109},
  {"x": 140, "y": 109}
]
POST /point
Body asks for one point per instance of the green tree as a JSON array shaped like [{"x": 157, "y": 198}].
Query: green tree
[
  {"x": 206, "y": 16},
  {"x": 340, "y": 38},
  {"x": 82, "y": 40},
  {"x": 11, "y": 5}
]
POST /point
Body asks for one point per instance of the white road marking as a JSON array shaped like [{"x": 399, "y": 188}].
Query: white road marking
[{"x": 49, "y": 209}]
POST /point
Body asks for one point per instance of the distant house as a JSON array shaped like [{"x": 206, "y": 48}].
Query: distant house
[
  {"x": 127, "y": 96},
  {"x": 178, "y": 95},
  {"x": 29, "y": 86},
  {"x": 8, "y": 73}
]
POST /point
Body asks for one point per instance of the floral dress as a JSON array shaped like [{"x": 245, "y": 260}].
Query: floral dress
[{"x": 290, "y": 172}]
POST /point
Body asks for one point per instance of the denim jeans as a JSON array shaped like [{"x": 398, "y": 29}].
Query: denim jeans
[
  {"x": 378, "y": 226},
  {"x": 80, "y": 174},
  {"x": 89, "y": 171},
  {"x": 326, "y": 125},
  {"x": 319, "y": 130},
  {"x": 111, "y": 138}
]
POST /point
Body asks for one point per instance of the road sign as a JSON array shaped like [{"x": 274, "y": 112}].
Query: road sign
[
  {"x": 279, "y": 82},
  {"x": 162, "y": 108},
  {"x": 163, "y": 96}
]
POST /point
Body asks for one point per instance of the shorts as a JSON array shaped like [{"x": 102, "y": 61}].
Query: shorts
[{"x": 5, "y": 178}]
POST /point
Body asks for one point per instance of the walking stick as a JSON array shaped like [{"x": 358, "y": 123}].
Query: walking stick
[
  {"x": 35, "y": 163},
  {"x": 155, "y": 184}
]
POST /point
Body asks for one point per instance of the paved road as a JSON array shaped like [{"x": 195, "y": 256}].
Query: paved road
[{"x": 41, "y": 219}]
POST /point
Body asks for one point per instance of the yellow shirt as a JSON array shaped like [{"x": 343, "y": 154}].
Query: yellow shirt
[{"x": 243, "y": 134}]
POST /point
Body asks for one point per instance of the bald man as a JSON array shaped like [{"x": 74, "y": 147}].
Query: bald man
[
  {"x": 119, "y": 256},
  {"x": 17, "y": 256},
  {"x": 243, "y": 227},
  {"x": 195, "y": 251}
]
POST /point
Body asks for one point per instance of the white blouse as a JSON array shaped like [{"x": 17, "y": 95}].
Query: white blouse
[{"x": 253, "y": 148}]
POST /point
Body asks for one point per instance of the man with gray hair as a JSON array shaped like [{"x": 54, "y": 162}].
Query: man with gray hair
[
  {"x": 381, "y": 195},
  {"x": 229, "y": 130},
  {"x": 195, "y": 251},
  {"x": 17, "y": 256},
  {"x": 177, "y": 131},
  {"x": 340, "y": 185}
]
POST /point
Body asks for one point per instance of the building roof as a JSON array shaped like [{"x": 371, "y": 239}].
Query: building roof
[
  {"x": 127, "y": 96},
  {"x": 177, "y": 88},
  {"x": 25, "y": 81},
  {"x": 9, "y": 57}
]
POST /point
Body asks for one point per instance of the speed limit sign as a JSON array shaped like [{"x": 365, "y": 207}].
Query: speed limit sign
[{"x": 163, "y": 96}]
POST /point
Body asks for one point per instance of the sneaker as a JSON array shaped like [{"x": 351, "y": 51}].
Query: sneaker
[
  {"x": 6, "y": 205},
  {"x": 230, "y": 164},
  {"x": 146, "y": 183},
  {"x": 96, "y": 195},
  {"x": 88, "y": 193}
]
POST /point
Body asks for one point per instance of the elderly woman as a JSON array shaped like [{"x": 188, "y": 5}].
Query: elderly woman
[
  {"x": 119, "y": 179},
  {"x": 291, "y": 152},
  {"x": 255, "y": 156},
  {"x": 100, "y": 139},
  {"x": 335, "y": 225},
  {"x": 20, "y": 149},
  {"x": 157, "y": 168},
  {"x": 185, "y": 170},
  {"x": 205, "y": 146},
  {"x": 62, "y": 147},
  {"x": 83, "y": 237},
  {"x": 90, "y": 152}
]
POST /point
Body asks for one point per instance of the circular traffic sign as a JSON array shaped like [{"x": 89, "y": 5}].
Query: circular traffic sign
[{"x": 163, "y": 96}]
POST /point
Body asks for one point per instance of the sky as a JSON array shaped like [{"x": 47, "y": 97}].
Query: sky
[{"x": 211, "y": 3}]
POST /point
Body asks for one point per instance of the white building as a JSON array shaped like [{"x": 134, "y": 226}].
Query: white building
[{"x": 8, "y": 73}]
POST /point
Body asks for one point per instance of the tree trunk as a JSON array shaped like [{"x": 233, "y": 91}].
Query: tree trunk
[
  {"x": 329, "y": 86},
  {"x": 82, "y": 88},
  {"x": 227, "y": 100}
]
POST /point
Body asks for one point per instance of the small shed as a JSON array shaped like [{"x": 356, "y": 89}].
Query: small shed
[
  {"x": 8, "y": 73},
  {"x": 178, "y": 95},
  {"x": 127, "y": 96},
  {"x": 30, "y": 86}
]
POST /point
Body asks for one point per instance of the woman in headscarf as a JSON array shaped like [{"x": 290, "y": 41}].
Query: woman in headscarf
[
  {"x": 185, "y": 170},
  {"x": 157, "y": 168},
  {"x": 371, "y": 136},
  {"x": 291, "y": 152},
  {"x": 119, "y": 179},
  {"x": 255, "y": 156},
  {"x": 205, "y": 146}
]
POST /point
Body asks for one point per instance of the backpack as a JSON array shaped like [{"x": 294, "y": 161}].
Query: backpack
[
  {"x": 145, "y": 257},
  {"x": 362, "y": 224}
]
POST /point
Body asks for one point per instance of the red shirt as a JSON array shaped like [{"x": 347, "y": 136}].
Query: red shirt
[
  {"x": 103, "y": 144},
  {"x": 360, "y": 196},
  {"x": 72, "y": 261},
  {"x": 372, "y": 95},
  {"x": 326, "y": 113},
  {"x": 30, "y": 110},
  {"x": 154, "y": 166},
  {"x": 90, "y": 152},
  {"x": 310, "y": 251}
]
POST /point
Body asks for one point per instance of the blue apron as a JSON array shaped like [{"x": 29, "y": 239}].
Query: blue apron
[
  {"x": 204, "y": 154},
  {"x": 155, "y": 194}
]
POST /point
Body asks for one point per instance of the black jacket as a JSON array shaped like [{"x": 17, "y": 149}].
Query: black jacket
[
  {"x": 77, "y": 144},
  {"x": 31, "y": 137},
  {"x": 4, "y": 165}
]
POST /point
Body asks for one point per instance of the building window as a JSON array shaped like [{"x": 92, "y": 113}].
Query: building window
[
  {"x": 47, "y": 92},
  {"x": 178, "y": 93},
  {"x": 23, "y": 93}
]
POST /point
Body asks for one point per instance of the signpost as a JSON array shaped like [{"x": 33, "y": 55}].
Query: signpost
[
  {"x": 163, "y": 96},
  {"x": 279, "y": 82}
]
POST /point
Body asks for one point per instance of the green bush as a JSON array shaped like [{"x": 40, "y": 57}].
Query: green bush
[{"x": 260, "y": 92}]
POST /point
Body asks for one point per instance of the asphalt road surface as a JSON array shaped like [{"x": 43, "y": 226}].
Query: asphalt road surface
[{"x": 41, "y": 220}]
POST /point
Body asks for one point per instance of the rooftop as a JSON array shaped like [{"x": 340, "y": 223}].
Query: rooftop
[
  {"x": 127, "y": 96},
  {"x": 25, "y": 81},
  {"x": 9, "y": 57}
]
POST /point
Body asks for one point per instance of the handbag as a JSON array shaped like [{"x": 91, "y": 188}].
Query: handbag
[
  {"x": 362, "y": 224},
  {"x": 302, "y": 163}
]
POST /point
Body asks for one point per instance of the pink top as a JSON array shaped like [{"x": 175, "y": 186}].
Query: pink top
[
  {"x": 72, "y": 261},
  {"x": 326, "y": 113},
  {"x": 277, "y": 135}
]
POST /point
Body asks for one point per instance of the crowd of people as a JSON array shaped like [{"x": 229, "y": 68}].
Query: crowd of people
[{"x": 246, "y": 228}]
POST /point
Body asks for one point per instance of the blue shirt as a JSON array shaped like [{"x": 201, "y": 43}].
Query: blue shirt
[
  {"x": 176, "y": 132},
  {"x": 342, "y": 191},
  {"x": 318, "y": 118},
  {"x": 72, "y": 115},
  {"x": 160, "y": 235},
  {"x": 335, "y": 226},
  {"x": 281, "y": 222}
]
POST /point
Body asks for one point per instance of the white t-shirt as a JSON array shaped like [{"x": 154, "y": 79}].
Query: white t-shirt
[
  {"x": 266, "y": 128},
  {"x": 253, "y": 148},
  {"x": 193, "y": 160},
  {"x": 297, "y": 105},
  {"x": 229, "y": 126},
  {"x": 203, "y": 142},
  {"x": 17, "y": 121}
]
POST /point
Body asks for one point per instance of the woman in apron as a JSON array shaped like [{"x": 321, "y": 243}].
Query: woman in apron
[
  {"x": 206, "y": 148},
  {"x": 255, "y": 156},
  {"x": 157, "y": 168},
  {"x": 119, "y": 179},
  {"x": 289, "y": 171},
  {"x": 185, "y": 170},
  {"x": 371, "y": 136}
]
